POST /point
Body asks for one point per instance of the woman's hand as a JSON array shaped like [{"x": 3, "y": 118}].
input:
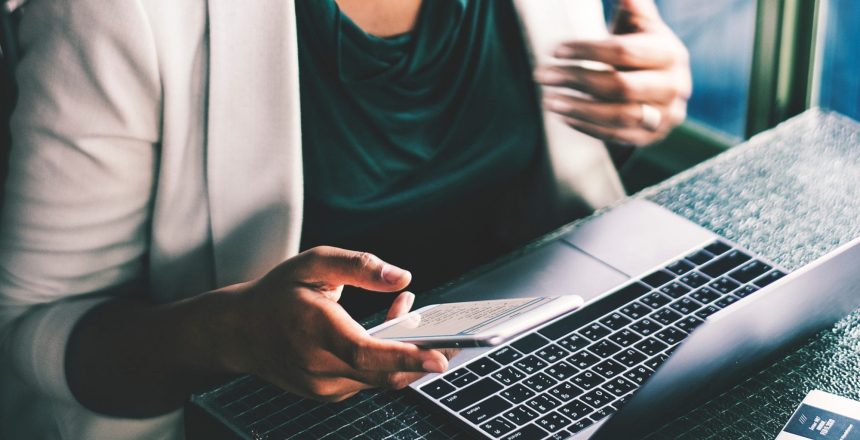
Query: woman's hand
[
  {"x": 294, "y": 334},
  {"x": 643, "y": 93}
]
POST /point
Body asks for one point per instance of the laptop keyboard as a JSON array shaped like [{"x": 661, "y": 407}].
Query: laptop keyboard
[{"x": 566, "y": 376}]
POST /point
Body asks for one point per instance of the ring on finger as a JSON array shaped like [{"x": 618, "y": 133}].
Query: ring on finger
[{"x": 651, "y": 117}]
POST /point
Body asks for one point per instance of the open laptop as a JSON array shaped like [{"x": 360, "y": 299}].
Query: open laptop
[{"x": 674, "y": 313}]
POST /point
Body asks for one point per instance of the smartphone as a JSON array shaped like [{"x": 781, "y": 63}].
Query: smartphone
[{"x": 474, "y": 323}]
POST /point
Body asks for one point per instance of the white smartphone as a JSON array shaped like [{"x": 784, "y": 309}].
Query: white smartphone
[{"x": 475, "y": 323}]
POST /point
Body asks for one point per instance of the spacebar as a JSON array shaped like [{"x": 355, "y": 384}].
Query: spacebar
[{"x": 471, "y": 394}]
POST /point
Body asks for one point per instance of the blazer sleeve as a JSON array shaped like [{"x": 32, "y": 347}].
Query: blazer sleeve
[{"x": 81, "y": 175}]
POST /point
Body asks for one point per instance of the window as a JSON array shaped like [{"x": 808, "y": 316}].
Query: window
[{"x": 837, "y": 81}]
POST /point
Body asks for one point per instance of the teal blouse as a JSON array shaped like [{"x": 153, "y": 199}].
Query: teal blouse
[{"x": 411, "y": 141}]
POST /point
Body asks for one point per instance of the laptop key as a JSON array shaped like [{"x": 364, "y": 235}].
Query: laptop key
[
  {"x": 658, "y": 278},
  {"x": 750, "y": 271},
  {"x": 636, "y": 310},
  {"x": 583, "y": 359},
  {"x": 717, "y": 248},
  {"x": 700, "y": 257},
  {"x": 579, "y": 425},
  {"x": 552, "y": 353},
  {"x": 724, "y": 285},
  {"x": 530, "y": 364},
  {"x": 587, "y": 380},
  {"x": 498, "y": 427},
  {"x": 539, "y": 382},
  {"x": 679, "y": 267},
  {"x": 746, "y": 291},
  {"x": 725, "y": 263},
  {"x": 543, "y": 403},
  {"x": 597, "y": 398},
  {"x": 615, "y": 321},
  {"x": 561, "y": 435},
  {"x": 521, "y": 415},
  {"x": 675, "y": 289},
  {"x": 508, "y": 375},
  {"x": 437, "y": 389},
  {"x": 665, "y": 316},
  {"x": 486, "y": 410},
  {"x": 639, "y": 374},
  {"x": 705, "y": 295},
  {"x": 566, "y": 391},
  {"x": 646, "y": 326},
  {"x": 517, "y": 393},
  {"x": 707, "y": 311},
  {"x": 656, "y": 361},
  {"x": 655, "y": 300},
  {"x": 624, "y": 337},
  {"x": 574, "y": 342},
  {"x": 651, "y": 346},
  {"x": 609, "y": 368},
  {"x": 483, "y": 366},
  {"x": 670, "y": 335},
  {"x": 594, "y": 331},
  {"x": 471, "y": 394},
  {"x": 604, "y": 348},
  {"x": 685, "y": 306},
  {"x": 576, "y": 409},
  {"x": 619, "y": 386},
  {"x": 462, "y": 379},
  {"x": 689, "y": 323},
  {"x": 553, "y": 421},
  {"x": 603, "y": 413},
  {"x": 561, "y": 370},
  {"x": 726, "y": 301},
  {"x": 505, "y": 355},
  {"x": 769, "y": 278},
  {"x": 695, "y": 279},
  {"x": 629, "y": 357},
  {"x": 529, "y": 432},
  {"x": 529, "y": 343}
]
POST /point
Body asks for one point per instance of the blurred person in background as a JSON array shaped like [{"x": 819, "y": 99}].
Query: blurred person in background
[{"x": 186, "y": 177}]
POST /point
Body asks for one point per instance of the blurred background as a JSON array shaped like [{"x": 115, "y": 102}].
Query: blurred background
[{"x": 755, "y": 63}]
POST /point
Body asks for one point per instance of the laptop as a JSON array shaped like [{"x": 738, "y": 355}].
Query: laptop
[{"x": 674, "y": 314}]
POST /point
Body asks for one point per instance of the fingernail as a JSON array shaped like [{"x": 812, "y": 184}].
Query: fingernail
[
  {"x": 392, "y": 274},
  {"x": 555, "y": 104},
  {"x": 434, "y": 366},
  {"x": 410, "y": 299}
]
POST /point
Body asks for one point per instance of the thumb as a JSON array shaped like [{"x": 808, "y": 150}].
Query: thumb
[
  {"x": 330, "y": 267},
  {"x": 635, "y": 16}
]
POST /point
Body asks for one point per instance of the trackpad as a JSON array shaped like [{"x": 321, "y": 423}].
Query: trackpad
[{"x": 552, "y": 270}]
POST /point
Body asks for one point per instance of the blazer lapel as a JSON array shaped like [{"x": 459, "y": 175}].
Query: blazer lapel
[{"x": 254, "y": 168}]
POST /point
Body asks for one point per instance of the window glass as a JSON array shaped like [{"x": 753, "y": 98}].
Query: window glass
[
  {"x": 839, "y": 76},
  {"x": 719, "y": 35}
]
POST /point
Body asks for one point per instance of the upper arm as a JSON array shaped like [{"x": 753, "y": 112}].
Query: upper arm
[{"x": 82, "y": 163}]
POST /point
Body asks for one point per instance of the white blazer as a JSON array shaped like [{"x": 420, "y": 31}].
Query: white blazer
[{"x": 159, "y": 142}]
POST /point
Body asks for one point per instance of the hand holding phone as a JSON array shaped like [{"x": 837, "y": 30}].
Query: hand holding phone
[{"x": 474, "y": 323}]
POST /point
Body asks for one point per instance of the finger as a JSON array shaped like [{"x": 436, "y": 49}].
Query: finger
[
  {"x": 328, "y": 267},
  {"x": 401, "y": 305},
  {"x": 349, "y": 341},
  {"x": 634, "y": 16},
  {"x": 607, "y": 114},
  {"x": 626, "y": 136},
  {"x": 614, "y": 86},
  {"x": 630, "y": 51},
  {"x": 328, "y": 366}
]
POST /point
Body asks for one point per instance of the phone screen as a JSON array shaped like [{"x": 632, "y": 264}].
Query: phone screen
[{"x": 460, "y": 319}]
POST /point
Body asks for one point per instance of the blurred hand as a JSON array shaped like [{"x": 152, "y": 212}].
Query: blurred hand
[
  {"x": 294, "y": 334},
  {"x": 641, "y": 97}
]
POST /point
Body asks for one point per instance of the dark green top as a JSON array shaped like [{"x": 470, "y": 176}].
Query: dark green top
[{"x": 410, "y": 141}]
